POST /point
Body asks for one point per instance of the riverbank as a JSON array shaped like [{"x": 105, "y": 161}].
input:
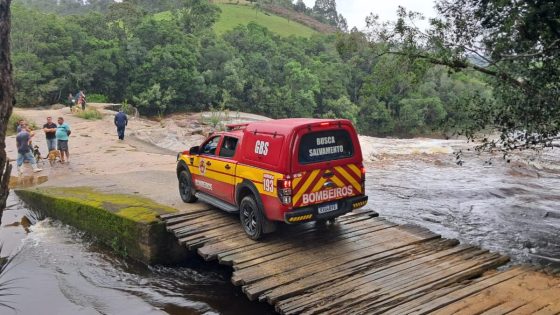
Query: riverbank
[{"x": 126, "y": 223}]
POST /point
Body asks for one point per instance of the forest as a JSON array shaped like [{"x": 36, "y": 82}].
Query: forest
[{"x": 176, "y": 62}]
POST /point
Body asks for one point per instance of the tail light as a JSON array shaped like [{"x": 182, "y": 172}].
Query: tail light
[
  {"x": 284, "y": 191},
  {"x": 363, "y": 170}
]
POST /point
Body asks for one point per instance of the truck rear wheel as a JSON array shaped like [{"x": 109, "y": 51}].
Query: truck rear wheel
[
  {"x": 186, "y": 189},
  {"x": 252, "y": 218}
]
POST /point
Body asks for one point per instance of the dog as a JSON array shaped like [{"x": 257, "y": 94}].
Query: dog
[
  {"x": 37, "y": 153},
  {"x": 53, "y": 156}
]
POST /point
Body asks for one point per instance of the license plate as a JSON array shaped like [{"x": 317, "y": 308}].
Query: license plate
[{"x": 327, "y": 208}]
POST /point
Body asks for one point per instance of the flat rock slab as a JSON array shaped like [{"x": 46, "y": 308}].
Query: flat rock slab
[
  {"x": 127, "y": 223},
  {"x": 364, "y": 264}
]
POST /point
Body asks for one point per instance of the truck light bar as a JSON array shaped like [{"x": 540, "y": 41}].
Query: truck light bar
[{"x": 231, "y": 127}]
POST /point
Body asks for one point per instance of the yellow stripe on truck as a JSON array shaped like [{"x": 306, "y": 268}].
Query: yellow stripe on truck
[
  {"x": 338, "y": 182},
  {"x": 356, "y": 170},
  {"x": 256, "y": 175},
  {"x": 305, "y": 185},
  {"x": 349, "y": 178}
]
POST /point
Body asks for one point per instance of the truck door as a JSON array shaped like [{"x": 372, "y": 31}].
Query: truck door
[
  {"x": 205, "y": 179},
  {"x": 225, "y": 165}
]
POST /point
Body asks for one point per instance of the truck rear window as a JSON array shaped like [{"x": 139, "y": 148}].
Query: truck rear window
[{"x": 325, "y": 146}]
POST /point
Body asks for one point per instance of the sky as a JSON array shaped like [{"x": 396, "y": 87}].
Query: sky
[{"x": 356, "y": 11}]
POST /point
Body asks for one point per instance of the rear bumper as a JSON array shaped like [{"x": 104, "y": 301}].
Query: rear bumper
[{"x": 311, "y": 213}]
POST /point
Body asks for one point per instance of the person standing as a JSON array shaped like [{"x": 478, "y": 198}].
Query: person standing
[
  {"x": 62, "y": 133},
  {"x": 23, "y": 140},
  {"x": 83, "y": 99},
  {"x": 71, "y": 101},
  {"x": 77, "y": 99},
  {"x": 19, "y": 125},
  {"x": 50, "y": 134},
  {"x": 121, "y": 121}
]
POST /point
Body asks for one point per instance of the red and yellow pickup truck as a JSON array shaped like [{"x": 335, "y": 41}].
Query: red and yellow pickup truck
[{"x": 289, "y": 170}]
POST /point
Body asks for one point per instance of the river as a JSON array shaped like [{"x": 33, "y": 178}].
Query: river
[
  {"x": 58, "y": 270},
  {"x": 512, "y": 208}
]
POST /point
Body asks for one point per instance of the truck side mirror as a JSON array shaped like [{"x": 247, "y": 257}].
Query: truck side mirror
[{"x": 194, "y": 150}]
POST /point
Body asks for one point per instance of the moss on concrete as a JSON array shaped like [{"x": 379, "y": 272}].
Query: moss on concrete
[{"x": 127, "y": 223}]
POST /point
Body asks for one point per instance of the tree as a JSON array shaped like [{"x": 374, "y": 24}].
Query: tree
[
  {"x": 6, "y": 100},
  {"x": 154, "y": 99},
  {"x": 326, "y": 9},
  {"x": 300, "y": 6},
  {"x": 198, "y": 15},
  {"x": 516, "y": 44}
]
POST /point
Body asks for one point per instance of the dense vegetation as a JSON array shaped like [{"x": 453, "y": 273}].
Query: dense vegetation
[
  {"x": 514, "y": 44},
  {"x": 125, "y": 52}
]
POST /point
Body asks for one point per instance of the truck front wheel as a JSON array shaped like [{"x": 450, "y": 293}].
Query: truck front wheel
[
  {"x": 252, "y": 218},
  {"x": 186, "y": 189}
]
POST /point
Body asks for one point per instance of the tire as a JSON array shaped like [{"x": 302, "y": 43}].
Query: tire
[
  {"x": 251, "y": 217},
  {"x": 324, "y": 222},
  {"x": 186, "y": 189}
]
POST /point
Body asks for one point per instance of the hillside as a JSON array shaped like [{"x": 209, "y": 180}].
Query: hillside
[{"x": 234, "y": 15}]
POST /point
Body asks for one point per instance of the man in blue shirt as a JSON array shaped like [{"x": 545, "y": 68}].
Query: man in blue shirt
[
  {"x": 24, "y": 150},
  {"x": 62, "y": 133},
  {"x": 121, "y": 121}
]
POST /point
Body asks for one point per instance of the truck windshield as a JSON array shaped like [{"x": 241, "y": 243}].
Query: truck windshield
[{"x": 323, "y": 146}]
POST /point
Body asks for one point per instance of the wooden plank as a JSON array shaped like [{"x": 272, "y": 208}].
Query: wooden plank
[
  {"x": 292, "y": 261},
  {"x": 331, "y": 270},
  {"x": 532, "y": 307},
  {"x": 174, "y": 219},
  {"x": 505, "y": 307},
  {"x": 381, "y": 286},
  {"x": 304, "y": 240},
  {"x": 405, "y": 291},
  {"x": 245, "y": 260},
  {"x": 472, "y": 289},
  {"x": 389, "y": 274}
]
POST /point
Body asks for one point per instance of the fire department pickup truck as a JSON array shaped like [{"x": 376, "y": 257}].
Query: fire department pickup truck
[{"x": 290, "y": 170}]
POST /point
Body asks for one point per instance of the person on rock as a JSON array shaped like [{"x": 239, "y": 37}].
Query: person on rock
[
  {"x": 23, "y": 140},
  {"x": 50, "y": 134},
  {"x": 121, "y": 121},
  {"x": 62, "y": 133}
]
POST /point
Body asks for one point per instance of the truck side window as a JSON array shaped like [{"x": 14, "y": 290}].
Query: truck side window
[
  {"x": 209, "y": 148},
  {"x": 228, "y": 147}
]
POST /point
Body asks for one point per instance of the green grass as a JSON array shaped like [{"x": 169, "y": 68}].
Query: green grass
[
  {"x": 90, "y": 114},
  {"x": 234, "y": 15}
]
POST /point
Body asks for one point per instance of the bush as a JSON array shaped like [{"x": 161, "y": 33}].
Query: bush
[
  {"x": 90, "y": 114},
  {"x": 13, "y": 122},
  {"x": 97, "y": 98}
]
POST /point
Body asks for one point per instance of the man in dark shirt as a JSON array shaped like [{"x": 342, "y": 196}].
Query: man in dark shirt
[
  {"x": 121, "y": 121},
  {"x": 24, "y": 151},
  {"x": 50, "y": 133}
]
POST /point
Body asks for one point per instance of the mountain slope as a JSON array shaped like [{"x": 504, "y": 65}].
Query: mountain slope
[{"x": 233, "y": 15}]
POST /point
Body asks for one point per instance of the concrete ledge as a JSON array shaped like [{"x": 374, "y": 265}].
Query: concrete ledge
[{"x": 126, "y": 223}]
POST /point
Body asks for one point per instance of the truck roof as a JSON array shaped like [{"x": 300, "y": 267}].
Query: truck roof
[{"x": 285, "y": 126}]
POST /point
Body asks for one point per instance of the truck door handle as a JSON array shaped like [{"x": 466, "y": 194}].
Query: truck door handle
[
  {"x": 227, "y": 167},
  {"x": 208, "y": 163},
  {"x": 328, "y": 174}
]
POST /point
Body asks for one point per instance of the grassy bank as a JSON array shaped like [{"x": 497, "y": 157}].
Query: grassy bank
[
  {"x": 233, "y": 15},
  {"x": 126, "y": 223}
]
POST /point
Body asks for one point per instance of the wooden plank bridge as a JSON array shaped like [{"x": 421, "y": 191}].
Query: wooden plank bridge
[{"x": 364, "y": 264}]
